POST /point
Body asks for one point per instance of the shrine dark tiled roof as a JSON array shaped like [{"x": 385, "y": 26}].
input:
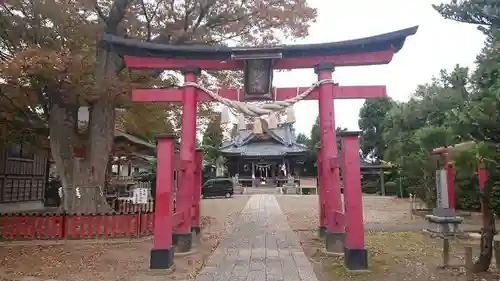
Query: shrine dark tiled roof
[
  {"x": 264, "y": 149},
  {"x": 280, "y": 141}
]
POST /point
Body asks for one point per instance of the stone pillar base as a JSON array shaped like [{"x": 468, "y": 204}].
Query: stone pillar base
[
  {"x": 183, "y": 242},
  {"x": 322, "y": 231},
  {"x": 162, "y": 258},
  {"x": 334, "y": 242},
  {"x": 356, "y": 259}
]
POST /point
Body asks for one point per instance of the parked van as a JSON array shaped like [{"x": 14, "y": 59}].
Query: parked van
[{"x": 217, "y": 187}]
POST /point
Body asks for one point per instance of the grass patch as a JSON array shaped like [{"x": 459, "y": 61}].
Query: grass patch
[{"x": 389, "y": 253}]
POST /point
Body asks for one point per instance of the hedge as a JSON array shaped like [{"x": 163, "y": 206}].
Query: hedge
[{"x": 373, "y": 187}]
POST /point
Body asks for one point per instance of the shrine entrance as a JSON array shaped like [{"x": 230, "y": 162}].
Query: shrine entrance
[{"x": 343, "y": 232}]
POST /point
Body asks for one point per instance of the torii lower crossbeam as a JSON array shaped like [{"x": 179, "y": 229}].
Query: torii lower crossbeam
[{"x": 339, "y": 92}]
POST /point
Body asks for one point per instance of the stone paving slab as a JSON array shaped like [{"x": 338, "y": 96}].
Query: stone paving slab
[{"x": 261, "y": 247}]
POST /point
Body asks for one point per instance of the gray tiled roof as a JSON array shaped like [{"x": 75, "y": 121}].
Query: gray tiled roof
[
  {"x": 282, "y": 141},
  {"x": 263, "y": 149}
]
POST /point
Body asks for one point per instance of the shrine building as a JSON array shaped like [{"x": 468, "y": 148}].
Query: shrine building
[{"x": 264, "y": 157}]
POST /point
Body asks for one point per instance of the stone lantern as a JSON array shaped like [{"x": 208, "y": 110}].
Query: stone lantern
[{"x": 444, "y": 224}]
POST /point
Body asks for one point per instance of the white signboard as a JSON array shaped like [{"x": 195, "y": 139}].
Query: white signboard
[
  {"x": 442, "y": 189},
  {"x": 140, "y": 196}
]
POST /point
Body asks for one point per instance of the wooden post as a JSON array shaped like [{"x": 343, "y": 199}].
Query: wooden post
[
  {"x": 496, "y": 248},
  {"x": 253, "y": 174},
  {"x": 468, "y": 262},
  {"x": 411, "y": 206},
  {"x": 446, "y": 252},
  {"x": 400, "y": 184},
  {"x": 382, "y": 182}
]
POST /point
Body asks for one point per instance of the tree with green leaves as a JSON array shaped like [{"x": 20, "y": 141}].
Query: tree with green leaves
[
  {"x": 478, "y": 120},
  {"x": 412, "y": 129},
  {"x": 303, "y": 139},
  {"x": 212, "y": 139},
  {"x": 371, "y": 122},
  {"x": 315, "y": 137}
]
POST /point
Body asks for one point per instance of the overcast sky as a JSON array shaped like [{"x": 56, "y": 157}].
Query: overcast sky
[{"x": 438, "y": 44}]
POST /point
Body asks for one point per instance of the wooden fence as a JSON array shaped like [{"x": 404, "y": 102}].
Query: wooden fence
[
  {"x": 128, "y": 221},
  {"x": 50, "y": 226}
]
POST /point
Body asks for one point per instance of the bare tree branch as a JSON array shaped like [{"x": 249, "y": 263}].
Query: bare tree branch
[
  {"x": 149, "y": 19},
  {"x": 116, "y": 14},
  {"x": 100, "y": 13}
]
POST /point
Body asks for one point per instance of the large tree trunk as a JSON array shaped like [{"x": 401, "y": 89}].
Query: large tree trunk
[
  {"x": 100, "y": 143},
  {"x": 84, "y": 178},
  {"x": 488, "y": 230},
  {"x": 63, "y": 138}
]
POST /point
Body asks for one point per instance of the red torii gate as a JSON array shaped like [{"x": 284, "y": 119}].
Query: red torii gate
[
  {"x": 191, "y": 60},
  {"x": 450, "y": 173}
]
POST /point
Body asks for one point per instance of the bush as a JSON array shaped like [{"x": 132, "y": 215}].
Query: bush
[
  {"x": 370, "y": 187},
  {"x": 495, "y": 199},
  {"x": 391, "y": 188},
  {"x": 467, "y": 197},
  {"x": 306, "y": 191}
]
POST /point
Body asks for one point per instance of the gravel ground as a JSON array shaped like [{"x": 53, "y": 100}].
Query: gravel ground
[
  {"x": 397, "y": 248},
  {"x": 117, "y": 261},
  {"x": 379, "y": 213}
]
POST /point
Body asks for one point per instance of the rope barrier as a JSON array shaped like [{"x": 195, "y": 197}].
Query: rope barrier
[{"x": 253, "y": 110}]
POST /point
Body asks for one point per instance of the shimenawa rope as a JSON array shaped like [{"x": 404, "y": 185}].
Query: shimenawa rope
[{"x": 253, "y": 110}]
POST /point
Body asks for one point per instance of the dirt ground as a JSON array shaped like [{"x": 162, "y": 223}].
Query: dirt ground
[
  {"x": 397, "y": 248},
  {"x": 125, "y": 261}
]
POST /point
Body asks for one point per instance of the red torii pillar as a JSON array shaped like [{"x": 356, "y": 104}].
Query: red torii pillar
[
  {"x": 332, "y": 221},
  {"x": 329, "y": 160},
  {"x": 482, "y": 175},
  {"x": 355, "y": 254},
  {"x": 195, "y": 224},
  {"x": 322, "y": 196},
  {"x": 188, "y": 165},
  {"x": 162, "y": 254}
]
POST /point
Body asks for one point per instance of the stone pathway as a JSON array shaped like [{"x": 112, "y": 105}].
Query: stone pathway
[{"x": 261, "y": 247}]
